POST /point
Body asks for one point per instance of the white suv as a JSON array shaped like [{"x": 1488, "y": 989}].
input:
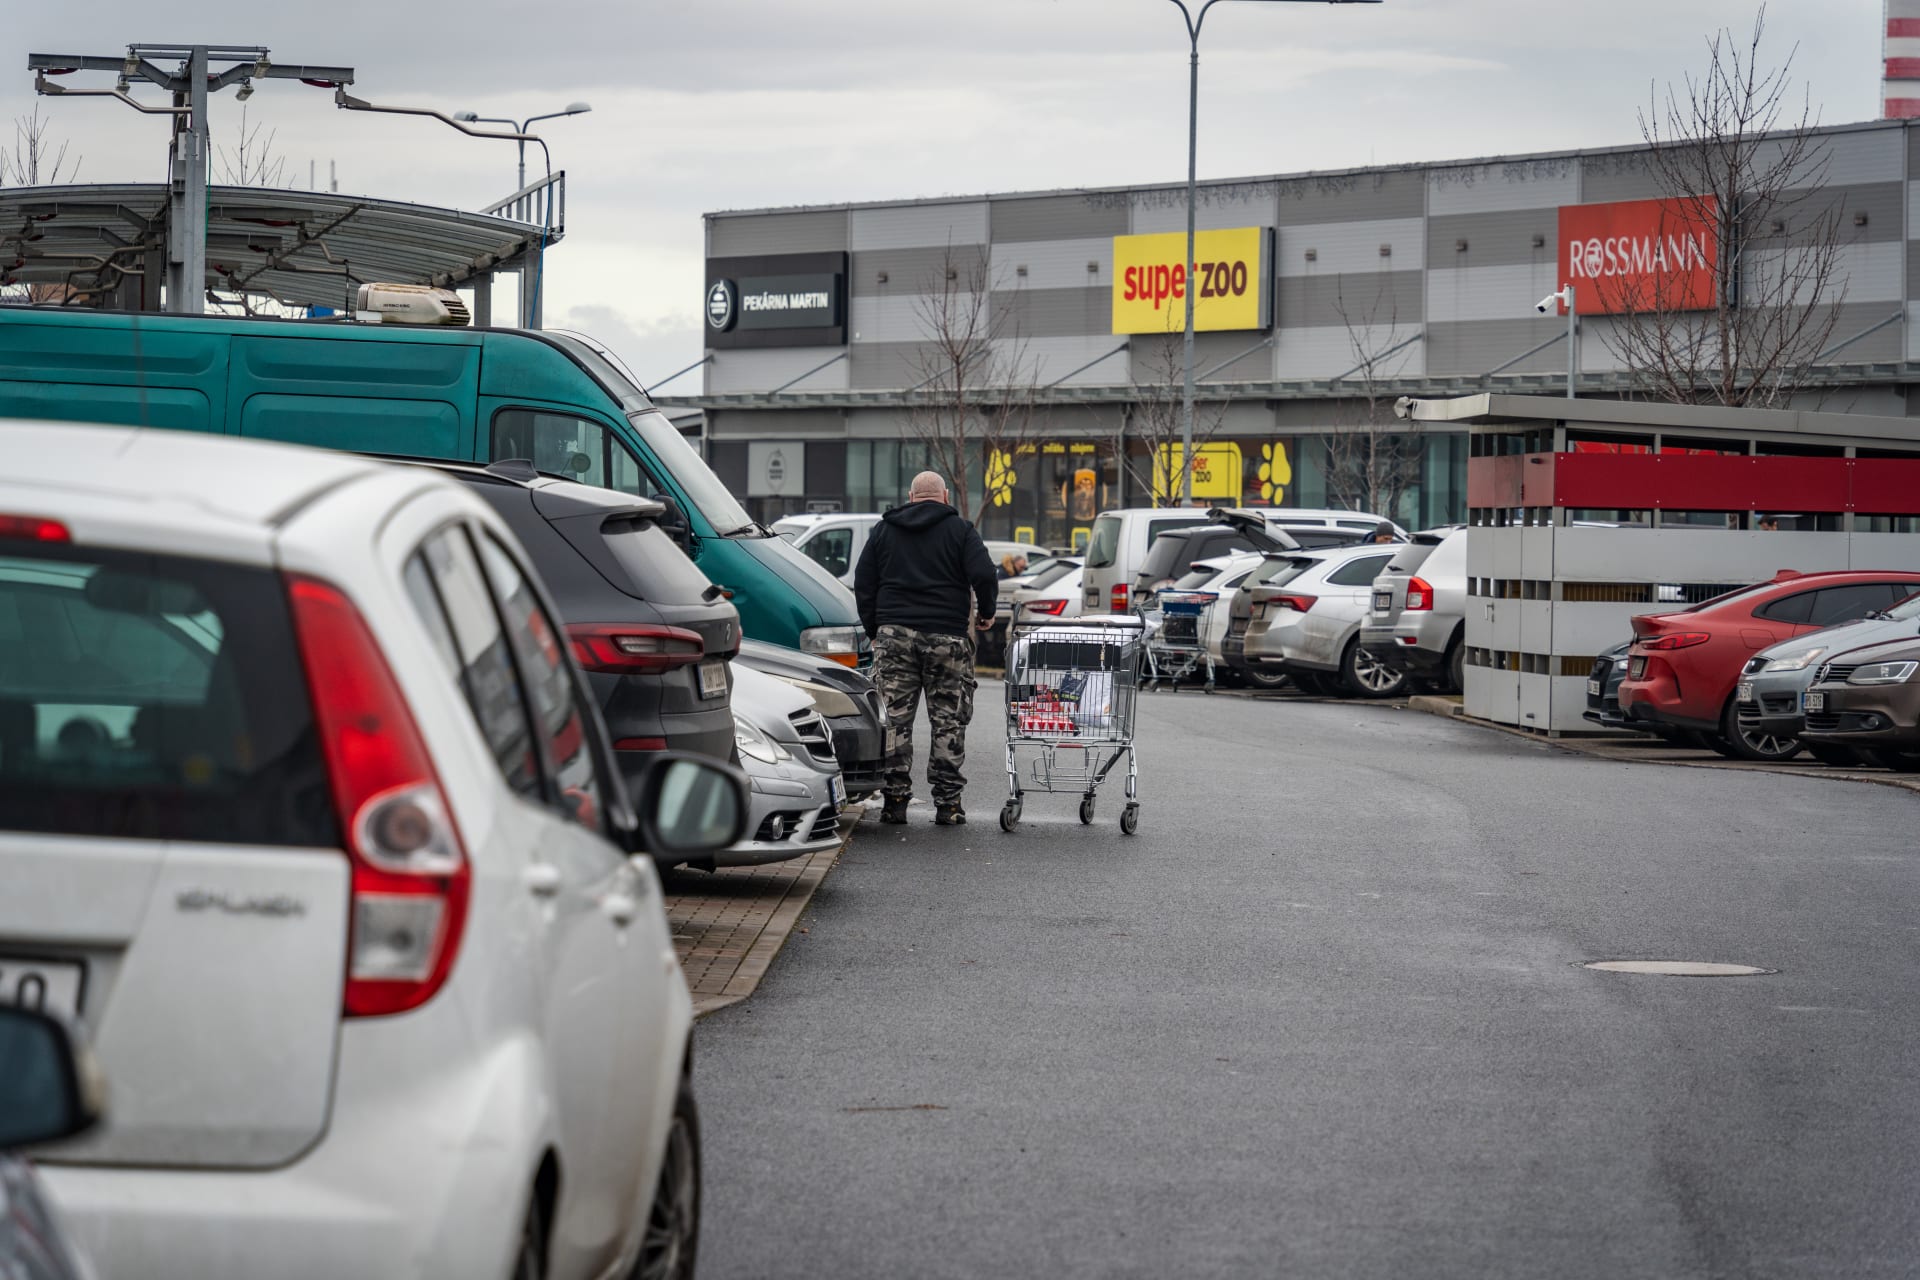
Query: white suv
[{"x": 305, "y": 812}]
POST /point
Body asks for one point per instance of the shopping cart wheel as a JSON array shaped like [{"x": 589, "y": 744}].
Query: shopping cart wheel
[
  {"x": 1129, "y": 819},
  {"x": 1086, "y": 811},
  {"x": 1009, "y": 815}
]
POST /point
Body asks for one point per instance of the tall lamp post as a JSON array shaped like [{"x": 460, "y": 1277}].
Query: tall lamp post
[
  {"x": 520, "y": 126},
  {"x": 1194, "y": 19}
]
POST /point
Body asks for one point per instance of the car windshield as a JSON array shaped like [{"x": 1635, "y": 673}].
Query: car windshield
[
  {"x": 1105, "y": 543},
  {"x": 1908, "y": 608},
  {"x": 695, "y": 478},
  {"x": 1198, "y": 576},
  {"x": 1167, "y": 557}
]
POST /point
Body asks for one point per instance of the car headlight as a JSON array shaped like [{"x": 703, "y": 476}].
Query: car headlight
[
  {"x": 828, "y": 701},
  {"x": 1798, "y": 663},
  {"x": 753, "y": 741},
  {"x": 1884, "y": 673},
  {"x": 843, "y": 645}
]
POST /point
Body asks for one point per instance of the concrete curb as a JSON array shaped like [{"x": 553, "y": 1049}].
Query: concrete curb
[
  {"x": 1435, "y": 705},
  {"x": 1634, "y": 749}
]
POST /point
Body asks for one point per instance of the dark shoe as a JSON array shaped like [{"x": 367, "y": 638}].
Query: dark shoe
[
  {"x": 895, "y": 810},
  {"x": 949, "y": 815}
]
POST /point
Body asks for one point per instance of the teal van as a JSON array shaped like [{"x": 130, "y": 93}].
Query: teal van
[{"x": 475, "y": 395}]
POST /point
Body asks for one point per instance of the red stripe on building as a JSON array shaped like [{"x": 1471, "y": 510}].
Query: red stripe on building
[
  {"x": 1903, "y": 26},
  {"x": 1901, "y": 109},
  {"x": 1903, "y": 68}
]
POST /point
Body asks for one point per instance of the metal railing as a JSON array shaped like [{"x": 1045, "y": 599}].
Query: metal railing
[{"x": 538, "y": 204}]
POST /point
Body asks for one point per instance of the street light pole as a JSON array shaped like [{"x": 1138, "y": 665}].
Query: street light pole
[
  {"x": 1194, "y": 21},
  {"x": 520, "y": 127}
]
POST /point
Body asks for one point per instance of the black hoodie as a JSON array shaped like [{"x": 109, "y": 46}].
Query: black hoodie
[{"x": 926, "y": 568}]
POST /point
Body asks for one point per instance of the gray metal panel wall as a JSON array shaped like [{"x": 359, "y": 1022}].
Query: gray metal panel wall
[
  {"x": 1147, "y": 364},
  {"x": 887, "y": 365},
  {"x": 1397, "y": 193},
  {"x": 1067, "y": 217},
  {"x": 911, "y": 271},
  {"x": 1497, "y": 238},
  {"x": 1051, "y": 360},
  {"x": 1052, "y": 264},
  {"x": 1331, "y": 350},
  {"x": 804, "y": 231},
  {"x": 1052, "y": 313},
  {"x": 1161, "y": 209},
  {"x": 764, "y": 368},
  {"x": 919, "y": 226},
  {"x": 1488, "y": 188},
  {"x": 1352, "y": 246},
  {"x": 1475, "y": 348},
  {"x": 1604, "y": 179},
  {"x": 1373, "y": 298}
]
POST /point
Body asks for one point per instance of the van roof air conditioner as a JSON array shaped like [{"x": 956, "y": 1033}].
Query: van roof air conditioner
[{"x": 409, "y": 304}]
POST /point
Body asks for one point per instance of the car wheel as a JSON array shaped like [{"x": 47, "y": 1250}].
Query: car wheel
[
  {"x": 1264, "y": 678},
  {"x": 1457, "y": 666},
  {"x": 530, "y": 1263},
  {"x": 1833, "y": 753},
  {"x": 1898, "y": 761},
  {"x": 1753, "y": 744},
  {"x": 672, "y": 1239},
  {"x": 1364, "y": 676}
]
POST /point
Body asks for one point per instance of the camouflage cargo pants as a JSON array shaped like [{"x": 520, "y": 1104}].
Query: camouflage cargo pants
[{"x": 907, "y": 663}]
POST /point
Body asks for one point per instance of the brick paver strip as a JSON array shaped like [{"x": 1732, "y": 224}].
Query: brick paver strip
[{"x": 729, "y": 925}]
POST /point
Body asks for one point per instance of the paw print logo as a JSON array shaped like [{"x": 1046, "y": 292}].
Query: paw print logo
[
  {"x": 1276, "y": 472},
  {"x": 1000, "y": 477}
]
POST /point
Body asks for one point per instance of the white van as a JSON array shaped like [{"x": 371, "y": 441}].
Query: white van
[
  {"x": 832, "y": 540},
  {"x": 1120, "y": 540}
]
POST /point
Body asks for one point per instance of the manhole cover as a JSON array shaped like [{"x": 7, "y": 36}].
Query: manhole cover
[{"x": 1680, "y": 968}]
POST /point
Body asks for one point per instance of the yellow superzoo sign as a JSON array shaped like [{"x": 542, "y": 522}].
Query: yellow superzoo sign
[{"x": 1232, "y": 271}]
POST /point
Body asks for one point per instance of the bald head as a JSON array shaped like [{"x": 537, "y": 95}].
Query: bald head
[{"x": 927, "y": 487}]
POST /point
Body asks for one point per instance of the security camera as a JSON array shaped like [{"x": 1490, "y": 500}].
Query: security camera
[{"x": 1547, "y": 304}]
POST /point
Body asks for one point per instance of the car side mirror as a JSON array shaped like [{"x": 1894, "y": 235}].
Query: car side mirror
[
  {"x": 673, "y": 522},
  {"x": 50, "y": 1087},
  {"x": 688, "y": 806}
]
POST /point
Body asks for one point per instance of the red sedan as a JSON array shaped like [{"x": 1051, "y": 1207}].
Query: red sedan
[{"x": 1683, "y": 666}]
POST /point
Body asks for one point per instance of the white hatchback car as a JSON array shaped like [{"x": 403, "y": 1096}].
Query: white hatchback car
[{"x": 305, "y": 811}]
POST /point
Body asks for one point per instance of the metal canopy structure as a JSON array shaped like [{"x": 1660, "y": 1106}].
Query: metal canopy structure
[{"x": 105, "y": 245}]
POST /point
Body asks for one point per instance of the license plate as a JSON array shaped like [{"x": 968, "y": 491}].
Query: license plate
[
  {"x": 1816, "y": 701},
  {"x": 1382, "y": 601},
  {"x": 713, "y": 678},
  {"x": 1593, "y": 688},
  {"x": 53, "y": 985},
  {"x": 1745, "y": 692},
  {"x": 836, "y": 792}
]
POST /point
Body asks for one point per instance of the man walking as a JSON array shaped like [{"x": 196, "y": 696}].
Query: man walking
[{"x": 923, "y": 580}]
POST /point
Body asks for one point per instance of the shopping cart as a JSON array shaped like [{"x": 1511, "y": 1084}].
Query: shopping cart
[
  {"x": 1071, "y": 690},
  {"x": 1176, "y": 632}
]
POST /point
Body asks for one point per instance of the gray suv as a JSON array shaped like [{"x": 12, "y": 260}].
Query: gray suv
[{"x": 1418, "y": 619}]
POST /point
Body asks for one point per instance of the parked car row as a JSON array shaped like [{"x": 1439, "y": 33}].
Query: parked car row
[
  {"x": 376, "y": 763},
  {"x": 1803, "y": 662}
]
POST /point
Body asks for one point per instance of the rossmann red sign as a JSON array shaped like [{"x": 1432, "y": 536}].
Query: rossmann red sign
[{"x": 1640, "y": 255}]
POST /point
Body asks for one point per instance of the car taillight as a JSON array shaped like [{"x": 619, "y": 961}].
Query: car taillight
[
  {"x": 34, "y": 529},
  {"x": 1299, "y": 603},
  {"x": 1117, "y": 598},
  {"x": 1678, "y": 640},
  {"x": 411, "y": 877},
  {"x": 1052, "y": 608},
  {"x": 634, "y": 649},
  {"x": 1419, "y": 594},
  {"x": 639, "y": 744}
]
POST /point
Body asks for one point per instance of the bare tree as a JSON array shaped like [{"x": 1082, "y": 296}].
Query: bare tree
[
  {"x": 253, "y": 162},
  {"x": 1156, "y": 417},
  {"x": 35, "y": 159},
  {"x": 1744, "y": 169},
  {"x": 974, "y": 405},
  {"x": 1373, "y": 456}
]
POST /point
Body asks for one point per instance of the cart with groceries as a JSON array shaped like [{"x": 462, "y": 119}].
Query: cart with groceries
[{"x": 1072, "y": 686}]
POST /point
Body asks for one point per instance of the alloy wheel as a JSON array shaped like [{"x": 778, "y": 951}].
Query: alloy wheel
[
  {"x": 673, "y": 1219},
  {"x": 1375, "y": 678}
]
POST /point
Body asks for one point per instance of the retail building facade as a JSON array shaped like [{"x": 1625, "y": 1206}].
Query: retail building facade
[{"x": 1324, "y": 297}]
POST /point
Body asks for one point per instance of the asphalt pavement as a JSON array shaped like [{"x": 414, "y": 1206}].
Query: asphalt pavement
[{"x": 1325, "y": 1016}]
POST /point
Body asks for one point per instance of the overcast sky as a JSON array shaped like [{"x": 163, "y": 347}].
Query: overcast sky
[{"x": 720, "y": 104}]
